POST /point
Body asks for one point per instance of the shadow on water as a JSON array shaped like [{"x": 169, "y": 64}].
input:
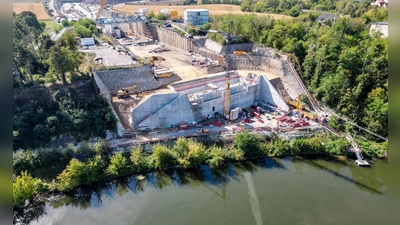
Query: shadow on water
[
  {"x": 214, "y": 180},
  {"x": 31, "y": 212},
  {"x": 358, "y": 173}
]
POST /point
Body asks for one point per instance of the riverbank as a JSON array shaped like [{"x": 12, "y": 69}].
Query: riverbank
[{"x": 68, "y": 168}]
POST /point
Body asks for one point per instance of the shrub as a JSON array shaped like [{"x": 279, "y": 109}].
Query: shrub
[
  {"x": 163, "y": 157},
  {"x": 139, "y": 159},
  {"x": 24, "y": 187},
  {"x": 118, "y": 165},
  {"x": 249, "y": 144}
]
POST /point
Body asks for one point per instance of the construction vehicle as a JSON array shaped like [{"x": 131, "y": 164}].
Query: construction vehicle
[
  {"x": 298, "y": 104},
  {"x": 163, "y": 73},
  {"x": 151, "y": 60},
  {"x": 310, "y": 115},
  {"x": 124, "y": 92},
  {"x": 174, "y": 16},
  {"x": 239, "y": 52}
]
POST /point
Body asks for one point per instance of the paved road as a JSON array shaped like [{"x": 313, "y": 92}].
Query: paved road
[{"x": 54, "y": 36}]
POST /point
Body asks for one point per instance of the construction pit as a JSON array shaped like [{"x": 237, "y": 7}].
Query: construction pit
[{"x": 194, "y": 96}]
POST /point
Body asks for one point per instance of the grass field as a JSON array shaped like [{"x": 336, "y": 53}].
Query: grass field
[
  {"x": 214, "y": 9},
  {"x": 36, "y": 8},
  {"x": 50, "y": 24}
]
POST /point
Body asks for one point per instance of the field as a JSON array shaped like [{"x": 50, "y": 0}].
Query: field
[
  {"x": 36, "y": 8},
  {"x": 214, "y": 9}
]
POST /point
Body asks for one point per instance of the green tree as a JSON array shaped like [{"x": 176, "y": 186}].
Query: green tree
[
  {"x": 74, "y": 175},
  {"x": 118, "y": 165},
  {"x": 139, "y": 159},
  {"x": 248, "y": 143},
  {"x": 163, "y": 157},
  {"x": 24, "y": 187}
]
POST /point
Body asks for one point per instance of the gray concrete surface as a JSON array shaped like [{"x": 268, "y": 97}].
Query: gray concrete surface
[{"x": 114, "y": 80}]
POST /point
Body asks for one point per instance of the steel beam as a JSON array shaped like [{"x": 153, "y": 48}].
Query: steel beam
[{"x": 118, "y": 20}]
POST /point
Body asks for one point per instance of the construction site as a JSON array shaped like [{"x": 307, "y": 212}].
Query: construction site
[{"x": 168, "y": 82}]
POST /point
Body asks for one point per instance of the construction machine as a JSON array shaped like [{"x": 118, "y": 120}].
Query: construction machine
[
  {"x": 298, "y": 104},
  {"x": 151, "y": 60},
  {"x": 102, "y": 4},
  {"x": 124, "y": 92}
]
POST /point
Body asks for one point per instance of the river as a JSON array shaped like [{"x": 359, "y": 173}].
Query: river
[{"x": 269, "y": 191}]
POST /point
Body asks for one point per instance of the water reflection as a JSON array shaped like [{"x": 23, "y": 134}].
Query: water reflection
[{"x": 215, "y": 181}]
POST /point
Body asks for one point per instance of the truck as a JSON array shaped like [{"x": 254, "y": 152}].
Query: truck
[
  {"x": 163, "y": 73},
  {"x": 174, "y": 15},
  {"x": 239, "y": 52}
]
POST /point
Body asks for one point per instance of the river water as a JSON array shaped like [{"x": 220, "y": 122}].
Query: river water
[{"x": 269, "y": 191}]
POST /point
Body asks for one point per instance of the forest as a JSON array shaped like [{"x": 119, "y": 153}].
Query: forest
[
  {"x": 340, "y": 62},
  {"x": 44, "y": 113}
]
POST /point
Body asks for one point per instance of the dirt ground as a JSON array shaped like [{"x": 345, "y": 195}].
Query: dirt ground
[
  {"x": 36, "y": 8},
  {"x": 214, "y": 9},
  {"x": 175, "y": 60}
]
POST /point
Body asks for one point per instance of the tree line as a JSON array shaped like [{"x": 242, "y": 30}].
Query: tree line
[
  {"x": 64, "y": 169},
  {"x": 340, "y": 62}
]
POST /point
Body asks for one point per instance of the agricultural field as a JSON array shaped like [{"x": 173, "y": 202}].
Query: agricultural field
[
  {"x": 214, "y": 9},
  {"x": 36, "y": 8}
]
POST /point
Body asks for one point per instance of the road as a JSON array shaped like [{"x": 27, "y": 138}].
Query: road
[{"x": 54, "y": 36}]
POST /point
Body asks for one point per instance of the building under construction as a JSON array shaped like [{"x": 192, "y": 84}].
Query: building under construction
[{"x": 196, "y": 100}]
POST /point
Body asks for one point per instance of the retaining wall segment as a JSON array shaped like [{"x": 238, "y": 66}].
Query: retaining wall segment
[
  {"x": 150, "y": 106},
  {"x": 174, "y": 112},
  {"x": 268, "y": 93},
  {"x": 143, "y": 77}
]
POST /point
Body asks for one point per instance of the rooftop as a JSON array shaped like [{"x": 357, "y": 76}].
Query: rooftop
[
  {"x": 325, "y": 17},
  {"x": 196, "y": 10}
]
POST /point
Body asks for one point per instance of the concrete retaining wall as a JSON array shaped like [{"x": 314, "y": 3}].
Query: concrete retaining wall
[
  {"x": 143, "y": 77},
  {"x": 173, "y": 113},
  {"x": 150, "y": 106},
  {"x": 106, "y": 93},
  {"x": 173, "y": 38},
  {"x": 268, "y": 93}
]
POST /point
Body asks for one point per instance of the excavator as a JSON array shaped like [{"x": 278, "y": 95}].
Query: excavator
[
  {"x": 151, "y": 60},
  {"x": 124, "y": 92},
  {"x": 300, "y": 106}
]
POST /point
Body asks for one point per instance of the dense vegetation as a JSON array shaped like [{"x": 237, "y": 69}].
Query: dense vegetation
[
  {"x": 49, "y": 170},
  {"x": 75, "y": 112},
  {"x": 37, "y": 59},
  {"x": 341, "y": 64},
  {"x": 42, "y": 115}
]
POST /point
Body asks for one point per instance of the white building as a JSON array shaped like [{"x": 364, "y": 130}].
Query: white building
[
  {"x": 382, "y": 27},
  {"x": 196, "y": 16}
]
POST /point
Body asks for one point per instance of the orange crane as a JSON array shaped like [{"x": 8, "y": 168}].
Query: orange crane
[{"x": 102, "y": 4}]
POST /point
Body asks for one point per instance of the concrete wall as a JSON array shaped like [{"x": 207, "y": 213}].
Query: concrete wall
[
  {"x": 173, "y": 113},
  {"x": 173, "y": 38},
  {"x": 268, "y": 93},
  {"x": 106, "y": 93},
  {"x": 114, "y": 80},
  {"x": 236, "y": 47},
  {"x": 150, "y": 106}
]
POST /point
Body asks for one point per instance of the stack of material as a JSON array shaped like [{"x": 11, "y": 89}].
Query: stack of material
[{"x": 183, "y": 126}]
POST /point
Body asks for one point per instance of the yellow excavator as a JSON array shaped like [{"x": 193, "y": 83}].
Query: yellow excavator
[
  {"x": 151, "y": 60},
  {"x": 124, "y": 92}
]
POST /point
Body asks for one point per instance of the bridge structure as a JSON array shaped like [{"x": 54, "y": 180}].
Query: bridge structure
[{"x": 118, "y": 20}]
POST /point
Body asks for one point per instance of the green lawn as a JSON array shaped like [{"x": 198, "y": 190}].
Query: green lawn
[{"x": 50, "y": 24}]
